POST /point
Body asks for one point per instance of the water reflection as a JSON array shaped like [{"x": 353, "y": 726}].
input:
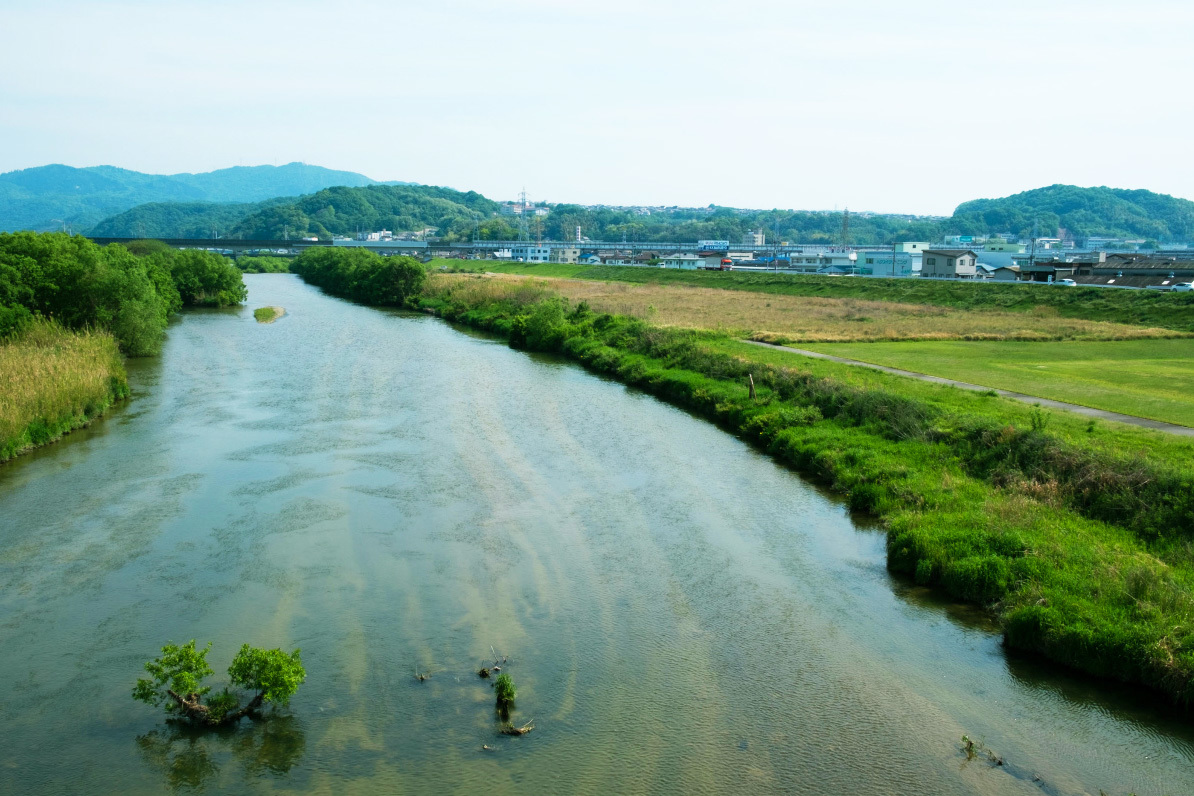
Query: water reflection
[
  {"x": 381, "y": 490},
  {"x": 191, "y": 757}
]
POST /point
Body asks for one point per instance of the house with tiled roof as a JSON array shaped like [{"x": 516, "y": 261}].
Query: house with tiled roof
[{"x": 949, "y": 263}]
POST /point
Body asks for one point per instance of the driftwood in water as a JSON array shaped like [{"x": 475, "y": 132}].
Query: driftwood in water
[{"x": 510, "y": 729}]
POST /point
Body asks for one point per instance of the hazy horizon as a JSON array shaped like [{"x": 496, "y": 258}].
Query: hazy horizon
[{"x": 805, "y": 105}]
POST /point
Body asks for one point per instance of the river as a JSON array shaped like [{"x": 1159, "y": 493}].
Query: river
[{"x": 387, "y": 492}]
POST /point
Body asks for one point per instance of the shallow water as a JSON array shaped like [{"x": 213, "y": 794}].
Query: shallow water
[{"x": 386, "y": 492}]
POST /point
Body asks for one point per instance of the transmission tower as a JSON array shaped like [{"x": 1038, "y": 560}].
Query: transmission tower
[
  {"x": 524, "y": 233},
  {"x": 846, "y": 228}
]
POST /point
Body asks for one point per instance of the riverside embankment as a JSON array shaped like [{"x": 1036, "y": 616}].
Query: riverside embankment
[
  {"x": 1082, "y": 545},
  {"x": 682, "y": 615}
]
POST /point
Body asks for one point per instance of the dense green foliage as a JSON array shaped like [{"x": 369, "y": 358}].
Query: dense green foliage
[
  {"x": 176, "y": 681},
  {"x": 130, "y": 292},
  {"x": 504, "y": 690},
  {"x": 361, "y": 275},
  {"x": 1138, "y": 307},
  {"x": 273, "y": 674},
  {"x": 1083, "y": 212},
  {"x": 47, "y": 197},
  {"x": 263, "y": 264},
  {"x": 180, "y": 219},
  {"x": 1084, "y": 548},
  {"x": 344, "y": 211}
]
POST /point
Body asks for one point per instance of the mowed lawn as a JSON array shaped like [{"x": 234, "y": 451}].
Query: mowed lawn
[{"x": 1146, "y": 378}]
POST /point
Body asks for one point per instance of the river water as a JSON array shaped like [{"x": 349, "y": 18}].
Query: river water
[{"x": 680, "y": 615}]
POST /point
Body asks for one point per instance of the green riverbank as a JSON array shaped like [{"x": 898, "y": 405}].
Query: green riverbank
[
  {"x": 1079, "y": 537},
  {"x": 55, "y": 381}
]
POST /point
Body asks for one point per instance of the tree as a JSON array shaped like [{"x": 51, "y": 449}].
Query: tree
[{"x": 176, "y": 681}]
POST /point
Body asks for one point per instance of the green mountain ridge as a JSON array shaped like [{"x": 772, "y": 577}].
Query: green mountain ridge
[{"x": 53, "y": 196}]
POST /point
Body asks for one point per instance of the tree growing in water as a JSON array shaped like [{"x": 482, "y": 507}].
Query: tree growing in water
[{"x": 176, "y": 681}]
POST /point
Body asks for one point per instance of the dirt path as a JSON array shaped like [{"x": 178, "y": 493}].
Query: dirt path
[{"x": 1158, "y": 425}]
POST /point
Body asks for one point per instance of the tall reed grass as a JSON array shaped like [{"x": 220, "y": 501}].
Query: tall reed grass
[{"x": 53, "y": 380}]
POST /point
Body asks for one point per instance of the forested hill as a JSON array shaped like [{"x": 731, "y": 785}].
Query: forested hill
[
  {"x": 181, "y": 219},
  {"x": 47, "y": 197},
  {"x": 1082, "y": 212},
  {"x": 343, "y": 211}
]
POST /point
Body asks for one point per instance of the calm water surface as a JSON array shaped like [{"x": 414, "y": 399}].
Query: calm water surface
[{"x": 386, "y": 492}]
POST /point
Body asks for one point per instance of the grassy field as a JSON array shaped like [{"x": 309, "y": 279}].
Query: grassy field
[
  {"x": 785, "y": 318},
  {"x": 54, "y": 381},
  {"x": 1173, "y": 311},
  {"x": 1153, "y": 378}
]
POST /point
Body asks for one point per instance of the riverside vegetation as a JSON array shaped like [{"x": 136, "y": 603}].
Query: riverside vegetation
[
  {"x": 1079, "y": 538},
  {"x": 70, "y": 308}
]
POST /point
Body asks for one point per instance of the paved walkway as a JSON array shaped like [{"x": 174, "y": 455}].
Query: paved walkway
[{"x": 1144, "y": 422}]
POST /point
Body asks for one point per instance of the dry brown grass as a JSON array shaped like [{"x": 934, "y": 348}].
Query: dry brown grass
[
  {"x": 53, "y": 375},
  {"x": 800, "y": 318}
]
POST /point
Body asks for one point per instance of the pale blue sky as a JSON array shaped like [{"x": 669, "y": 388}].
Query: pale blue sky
[{"x": 902, "y": 107}]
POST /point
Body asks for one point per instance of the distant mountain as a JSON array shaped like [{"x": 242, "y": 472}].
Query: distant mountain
[
  {"x": 46, "y": 197},
  {"x": 1082, "y": 212}
]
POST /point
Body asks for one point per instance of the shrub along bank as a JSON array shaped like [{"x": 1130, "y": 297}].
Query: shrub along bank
[
  {"x": 68, "y": 308},
  {"x": 128, "y": 291},
  {"x": 361, "y": 275},
  {"x": 1085, "y": 553},
  {"x": 55, "y": 381}
]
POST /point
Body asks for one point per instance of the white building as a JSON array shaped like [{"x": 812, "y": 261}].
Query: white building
[
  {"x": 682, "y": 260},
  {"x": 530, "y": 254}
]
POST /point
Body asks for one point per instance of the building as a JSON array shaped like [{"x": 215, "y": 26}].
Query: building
[
  {"x": 527, "y": 253},
  {"x": 1003, "y": 246},
  {"x": 754, "y": 238},
  {"x": 1006, "y": 273},
  {"x": 1051, "y": 266},
  {"x": 564, "y": 254},
  {"x": 949, "y": 263},
  {"x": 912, "y": 246},
  {"x": 682, "y": 260},
  {"x": 885, "y": 263}
]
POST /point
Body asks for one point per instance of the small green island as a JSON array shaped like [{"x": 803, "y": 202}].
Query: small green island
[{"x": 268, "y": 314}]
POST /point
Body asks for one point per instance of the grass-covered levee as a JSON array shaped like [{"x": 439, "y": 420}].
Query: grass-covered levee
[{"x": 1080, "y": 540}]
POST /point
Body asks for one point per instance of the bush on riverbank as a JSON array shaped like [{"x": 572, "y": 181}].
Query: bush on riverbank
[
  {"x": 1086, "y": 554},
  {"x": 54, "y": 381},
  {"x": 263, "y": 264},
  {"x": 361, "y": 275},
  {"x": 130, "y": 292}
]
